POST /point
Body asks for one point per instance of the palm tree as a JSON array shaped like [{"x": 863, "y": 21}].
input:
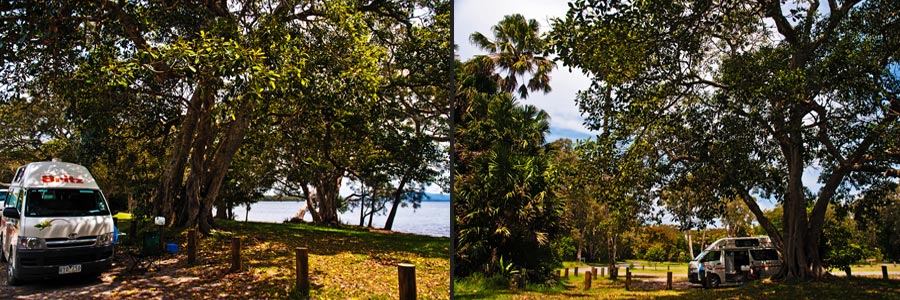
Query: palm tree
[{"x": 517, "y": 49}]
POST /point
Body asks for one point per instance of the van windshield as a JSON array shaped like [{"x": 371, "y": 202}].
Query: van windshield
[{"x": 64, "y": 203}]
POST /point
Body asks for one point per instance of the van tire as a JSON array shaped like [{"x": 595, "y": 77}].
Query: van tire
[
  {"x": 712, "y": 281},
  {"x": 2, "y": 253},
  {"x": 11, "y": 273}
]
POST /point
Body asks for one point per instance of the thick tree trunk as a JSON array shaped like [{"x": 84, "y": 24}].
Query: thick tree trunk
[
  {"x": 687, "y": 236},
  {"x": 327, "y": 189},
  {"x": 398, "y": 197},
  {"x": 800, "y": 252},
  {"x": 220, "y": 160},
  {"x": 578, "y": 254},
  {"x": 194, "y": 188},
  {"x": 170, "y": 182},
  {"x": 311, "y": 205}
]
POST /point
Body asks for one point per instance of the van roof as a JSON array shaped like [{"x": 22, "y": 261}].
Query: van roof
[{"x": 56, "y": 175}]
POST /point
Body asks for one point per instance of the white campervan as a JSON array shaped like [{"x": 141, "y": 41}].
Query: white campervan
[
  {"x": 56, "y": 221},
  {"x": 735, "y": 260}
]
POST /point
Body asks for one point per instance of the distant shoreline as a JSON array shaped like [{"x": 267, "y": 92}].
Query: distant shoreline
[
  {"x": 429, "y": 198},
  {"x": 302, "y": 200}
]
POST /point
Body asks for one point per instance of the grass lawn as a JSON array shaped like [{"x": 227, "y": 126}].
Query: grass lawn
[{"x": 649, "y": 283}]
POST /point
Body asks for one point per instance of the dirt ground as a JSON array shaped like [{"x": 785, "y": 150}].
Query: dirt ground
[{"x": 165, "y": 280}]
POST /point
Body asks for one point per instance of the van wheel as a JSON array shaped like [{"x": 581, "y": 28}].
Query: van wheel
[
  {"x": 11, "y": 278},
  {"x": 713, "y": 281}
]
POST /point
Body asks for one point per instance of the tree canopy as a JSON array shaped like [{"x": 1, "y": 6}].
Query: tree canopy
[{"x": 169, "y": 95}]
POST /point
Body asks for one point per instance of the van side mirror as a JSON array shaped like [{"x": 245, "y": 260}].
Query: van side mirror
[{"x": 11, "y": 212}]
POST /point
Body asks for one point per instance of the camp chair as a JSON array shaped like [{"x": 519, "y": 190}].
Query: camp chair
[{"x": 143, "y": 256}]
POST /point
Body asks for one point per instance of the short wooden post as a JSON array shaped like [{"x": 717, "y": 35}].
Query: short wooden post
[
  {"x": 668, "y": 280},
  {"x": 514, "y": 282},
  {"x": 587, "y": 280},
  {"x": 523, "y": 276},
  {"x": 849, "y": 273},
  {"x": 558, "y": 273},
  {"x": 302, "y": 271},
  {"x": 192, "y": 246},
  {"x": 614, "y": 272},
  {"x": 602, "y": 272},
  {"x": 576, "y": 271},
  {"x": 407, "y": 278},
  {"x": 884, "y": 272},
  {"x": 627, "y": 279},
  {"x": 594, "y": 270},
  {"x": 567, "y": 273},
  {"x": 236, "y": 254}
]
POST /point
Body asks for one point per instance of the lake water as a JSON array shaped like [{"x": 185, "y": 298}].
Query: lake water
[{"x": 432, "y": 218}]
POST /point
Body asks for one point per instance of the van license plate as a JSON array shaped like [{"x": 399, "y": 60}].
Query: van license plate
[{"x": 69, "y": 269}]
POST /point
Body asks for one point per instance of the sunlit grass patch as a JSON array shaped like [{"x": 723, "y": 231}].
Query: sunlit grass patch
[{"x": 344, "y": 263}]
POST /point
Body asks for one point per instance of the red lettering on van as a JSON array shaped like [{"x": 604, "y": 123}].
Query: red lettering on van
[{"x": 64, "y": 178}]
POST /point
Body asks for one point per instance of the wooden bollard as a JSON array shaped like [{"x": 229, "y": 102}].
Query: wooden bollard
[
  {"x": 627, "y": 279},
  {"x": 587, "y": 280},
  {"x": 614, "y": 272},
  {"x": 849, "y": 273},
  {"x": 668, "y": 280},
  {"x": 236, "y": 254},
  {"x": 594, "y": 270},
  {"x": 302, "y": 271},
  {"x": 576, "y": 271},
  {"x": 602, "y": 272},
  {"x": 192, "y": 246},
  {"x": 567, "y": 273},
  {"x": 884, "y": 272},
  {"x": 407, "y": 278}
]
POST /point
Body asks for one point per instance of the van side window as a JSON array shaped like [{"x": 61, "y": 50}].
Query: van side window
[
  {"x": 18, "y": 199},
  {"x": 10, "y": 198},
  {"x": 19, "y": 173},
  {"x": 712, "y": 256},
  {"x": 764, "y": 254}
]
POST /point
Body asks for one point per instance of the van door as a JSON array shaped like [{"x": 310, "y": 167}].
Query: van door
[{"x": 737, "y": 265}]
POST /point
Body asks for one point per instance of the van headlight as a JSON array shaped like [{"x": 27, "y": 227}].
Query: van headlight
[
  {"x": 32, "y": 243},
  {"x": 104, "y": 239}
]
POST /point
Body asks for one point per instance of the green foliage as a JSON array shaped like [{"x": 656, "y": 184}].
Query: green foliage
[
  {"x": 196, "y": 101},
  {"x": 655, "y": 253},
  {"x": 504, "y": 206},
  {"x": 517, "y": 49}
]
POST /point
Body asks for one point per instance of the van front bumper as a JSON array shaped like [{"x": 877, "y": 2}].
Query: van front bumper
[
  {"x": 31, "y": 264},
  {"x": 694, "y": 276}
]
